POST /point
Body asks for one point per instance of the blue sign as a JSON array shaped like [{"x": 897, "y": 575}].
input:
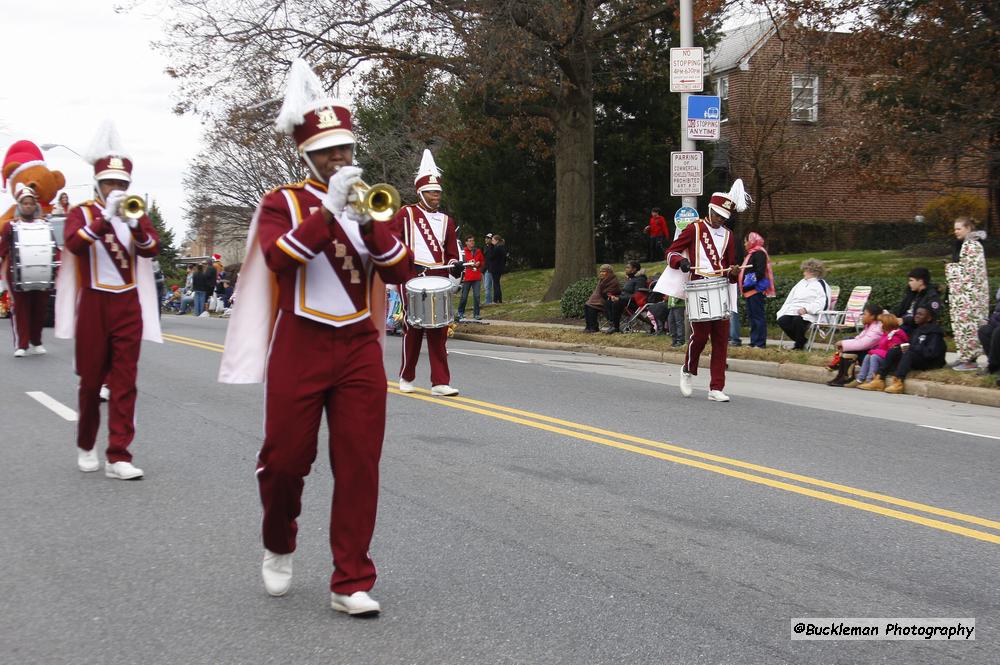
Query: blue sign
[
  {"x": 704, "y": 107},
  {"x": 684, "y": 216},
  {"x": 704, "y": 117}
]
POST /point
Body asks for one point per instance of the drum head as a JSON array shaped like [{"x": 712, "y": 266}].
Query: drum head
[{"x": 429, "y": 283}]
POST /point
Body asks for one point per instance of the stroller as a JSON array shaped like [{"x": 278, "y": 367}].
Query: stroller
[{"x": 638, "y": 315}]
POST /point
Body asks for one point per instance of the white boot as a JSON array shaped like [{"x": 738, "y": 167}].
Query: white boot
[
  {"x": 686, "y": 389},
  {"x": 406, "y": 386},
  {"x": 358, "y": 603},
  {"x": 717, "y": 396},
  {"x": 277, "y": 572},
  {"x": 38, "y": 350},
  {"x": 86, "y": 460},
  {"x": 105, "y": 393},
  {"x": 443, "y": 390},
  {"x": 122, "y": 471}
]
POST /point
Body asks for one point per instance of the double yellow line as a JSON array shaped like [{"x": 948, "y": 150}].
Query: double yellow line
[{"x": 845, "y": 495}]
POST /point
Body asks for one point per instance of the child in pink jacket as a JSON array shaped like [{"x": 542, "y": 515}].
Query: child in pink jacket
[
  {"x": 850, "y": 350},
  {"x": 892, "y": 335}
]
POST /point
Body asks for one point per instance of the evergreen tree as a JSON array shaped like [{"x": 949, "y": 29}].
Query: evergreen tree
[{"x": 168, "y": 252}]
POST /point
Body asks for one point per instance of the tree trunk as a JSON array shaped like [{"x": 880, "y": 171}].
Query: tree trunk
[{"x": 574, "y": 156}]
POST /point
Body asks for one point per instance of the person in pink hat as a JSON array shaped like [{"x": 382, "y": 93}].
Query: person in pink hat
[{"x": 303, "y": 321}]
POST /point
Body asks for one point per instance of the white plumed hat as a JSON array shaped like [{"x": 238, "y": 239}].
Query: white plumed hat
[
  {"x": 723, "y": 203},
  {"x": 108, "y": 155},
  {"x": 428, "y": 175},
  {"x": 314, "y": 119}
]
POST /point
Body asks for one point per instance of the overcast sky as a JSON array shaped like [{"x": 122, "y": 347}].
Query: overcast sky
[{"x": 70, "y": 63}]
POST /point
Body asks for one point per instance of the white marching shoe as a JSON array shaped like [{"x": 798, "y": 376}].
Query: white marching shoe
[
  {"x": 105, "y": 393},
  {"x": 685, "y": 384},
  {"x": 406, "y": 386},
  {"x": 717, "y": 396},
  {"x": 358, "y": 603},
  {"x": 443, "y": 390},
  {"x": 86, "y": 460},
  {"x": 122, "y": 471},
  {"x": 19, "y": 353},
  {"x": 277, "y": 572},
  {"x": 38, "y": 350}
]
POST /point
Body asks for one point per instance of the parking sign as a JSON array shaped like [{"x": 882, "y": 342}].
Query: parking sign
[
  {"x": 686, "y": 173},
  {"x": 687, "y": 69}
]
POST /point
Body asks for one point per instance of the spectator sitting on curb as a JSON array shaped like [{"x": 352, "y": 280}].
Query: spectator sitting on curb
[
  {"x": 870, "y": 375},
  {"x": 804, "y": 302},
  {"x": 854, "y": 349},
  {"x": 919, "y": 293},
  {"x": 926, "y": 350},
  {"x": 607, "y": 285},
  {"x": 989, "y": 337}
]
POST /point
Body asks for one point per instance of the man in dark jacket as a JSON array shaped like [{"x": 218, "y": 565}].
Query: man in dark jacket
[
  {"x": 989, "y": 337},
  {"x": 635, "y": 279},
  {"x": 926, "y": 350},
  {"x": 919, "y": 293},
  {"x": 496, "y": 264}
]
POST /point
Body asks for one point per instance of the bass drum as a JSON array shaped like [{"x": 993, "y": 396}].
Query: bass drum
[{"x": 33, "y": 257}]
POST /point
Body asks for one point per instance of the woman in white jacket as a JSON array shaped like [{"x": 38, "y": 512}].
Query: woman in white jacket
[{"x": 805, "y": 301}]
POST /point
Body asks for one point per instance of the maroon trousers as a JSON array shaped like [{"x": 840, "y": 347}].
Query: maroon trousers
[
  {"x": 108, "y": 340},
  {"x": 436, "y": 340},
  {"x": 313, "y": 367},
  {"x": 28, "y": 317},
  {"x": 700, "y": 333}
]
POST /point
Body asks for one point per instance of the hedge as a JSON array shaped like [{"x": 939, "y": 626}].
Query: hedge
[
  {"x": 811, "y": 236},
  {"x": 573, "y": 298}
]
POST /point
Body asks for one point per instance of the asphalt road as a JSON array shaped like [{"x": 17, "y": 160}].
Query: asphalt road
[{"x": 566, "y": 509}]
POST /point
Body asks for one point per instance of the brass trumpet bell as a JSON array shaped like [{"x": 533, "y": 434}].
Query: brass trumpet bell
[
  {"x": 133, "y": 207},
  {"x": 380, "y": 201}
]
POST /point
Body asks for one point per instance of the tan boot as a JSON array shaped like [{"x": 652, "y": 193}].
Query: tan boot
[
  {"x": 853, "y": 383},
  {"x": 895, "y": 386},
  {"x": 875, "y": 384}
]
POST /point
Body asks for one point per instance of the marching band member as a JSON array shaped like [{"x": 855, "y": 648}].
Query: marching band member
[
  {"x": 433, "y": 241},
  {"x": 106, "y": 299},
  {"x": 706, "y": 248},
  {"x": 303, "y": 323},
  {"x": 30, "y": 307}
]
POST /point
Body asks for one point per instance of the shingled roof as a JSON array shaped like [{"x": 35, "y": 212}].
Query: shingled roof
[{"x": 738, "y": 45}]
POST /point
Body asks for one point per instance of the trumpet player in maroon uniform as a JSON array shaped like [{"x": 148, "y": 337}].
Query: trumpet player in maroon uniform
[{"x": 303, "y": 323}]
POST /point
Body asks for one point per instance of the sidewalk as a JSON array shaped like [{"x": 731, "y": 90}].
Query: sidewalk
[{"x": 791, "y": 371}]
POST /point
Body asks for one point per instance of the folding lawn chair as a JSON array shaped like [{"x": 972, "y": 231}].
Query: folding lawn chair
[{"x": 831, "y": 321}]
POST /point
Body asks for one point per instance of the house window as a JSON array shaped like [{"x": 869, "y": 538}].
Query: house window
[
  {"x": 805, "y": 98},
  {"x": 722, "y": 91}
]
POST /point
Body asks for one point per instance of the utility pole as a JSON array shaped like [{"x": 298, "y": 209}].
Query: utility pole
[{"x": 687, "y": 41}]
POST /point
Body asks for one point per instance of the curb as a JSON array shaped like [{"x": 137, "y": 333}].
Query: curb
[{"x": 788, "y": 371}]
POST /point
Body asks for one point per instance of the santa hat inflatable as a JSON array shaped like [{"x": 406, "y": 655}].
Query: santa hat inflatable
[
  {"x": 314, "y": 119},
  {"x": 20, "y": 155},
  {"x": 428, "y": 175},
  {"x": 736, "y": 198},
  {"x": 108, "y": 156}
]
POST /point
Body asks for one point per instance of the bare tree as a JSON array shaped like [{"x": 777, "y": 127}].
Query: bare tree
[{"x": 519, "y": 58}]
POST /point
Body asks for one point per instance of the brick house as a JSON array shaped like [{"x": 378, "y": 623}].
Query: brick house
[
  {"x": 219, "y": 229},
  {"x": 787, "y": 133}
]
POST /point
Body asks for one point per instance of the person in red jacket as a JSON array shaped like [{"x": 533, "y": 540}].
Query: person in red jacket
[
  {"x": 471, "y": 278},
  {"x": 658, "y": 234}
]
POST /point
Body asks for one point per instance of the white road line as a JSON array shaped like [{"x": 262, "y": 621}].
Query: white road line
[
  {"x": 958, "y": 431},
  {"x": 483, "y": 355},
  {"x": 54, "y": 405}
]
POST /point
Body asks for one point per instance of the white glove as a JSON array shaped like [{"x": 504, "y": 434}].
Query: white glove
[
  {"x": 340, "y": 190},
  {"x": 362, "y": 218},
  {"x": 112, "y": 203}
]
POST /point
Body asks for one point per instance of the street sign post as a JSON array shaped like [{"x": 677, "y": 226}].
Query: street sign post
[
  {"x": 686, "y": 173},
  {"x": 704, "y": 117},
  {"x": 687, "y": 69}
]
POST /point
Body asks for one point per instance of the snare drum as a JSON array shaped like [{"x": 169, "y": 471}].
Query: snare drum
[
  {"x": 428, "y": 302},
  {"x": 33, "y": 257},
  {"x": 707, "y": 299}
]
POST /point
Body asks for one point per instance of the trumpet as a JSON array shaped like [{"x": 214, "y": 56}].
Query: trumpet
[
  {"x": 379, "y": 201},
  {"x": 133, "y": 207}
]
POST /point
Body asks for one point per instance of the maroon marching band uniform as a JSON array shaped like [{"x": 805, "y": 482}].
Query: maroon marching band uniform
[
  {"x": 109, "y": 320},
  {"x": 325, "y": 353},
  {"x": 707, "y": 249},
  {"x": 433, "y": 244},
  {"x": 28, "y": 308}
]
